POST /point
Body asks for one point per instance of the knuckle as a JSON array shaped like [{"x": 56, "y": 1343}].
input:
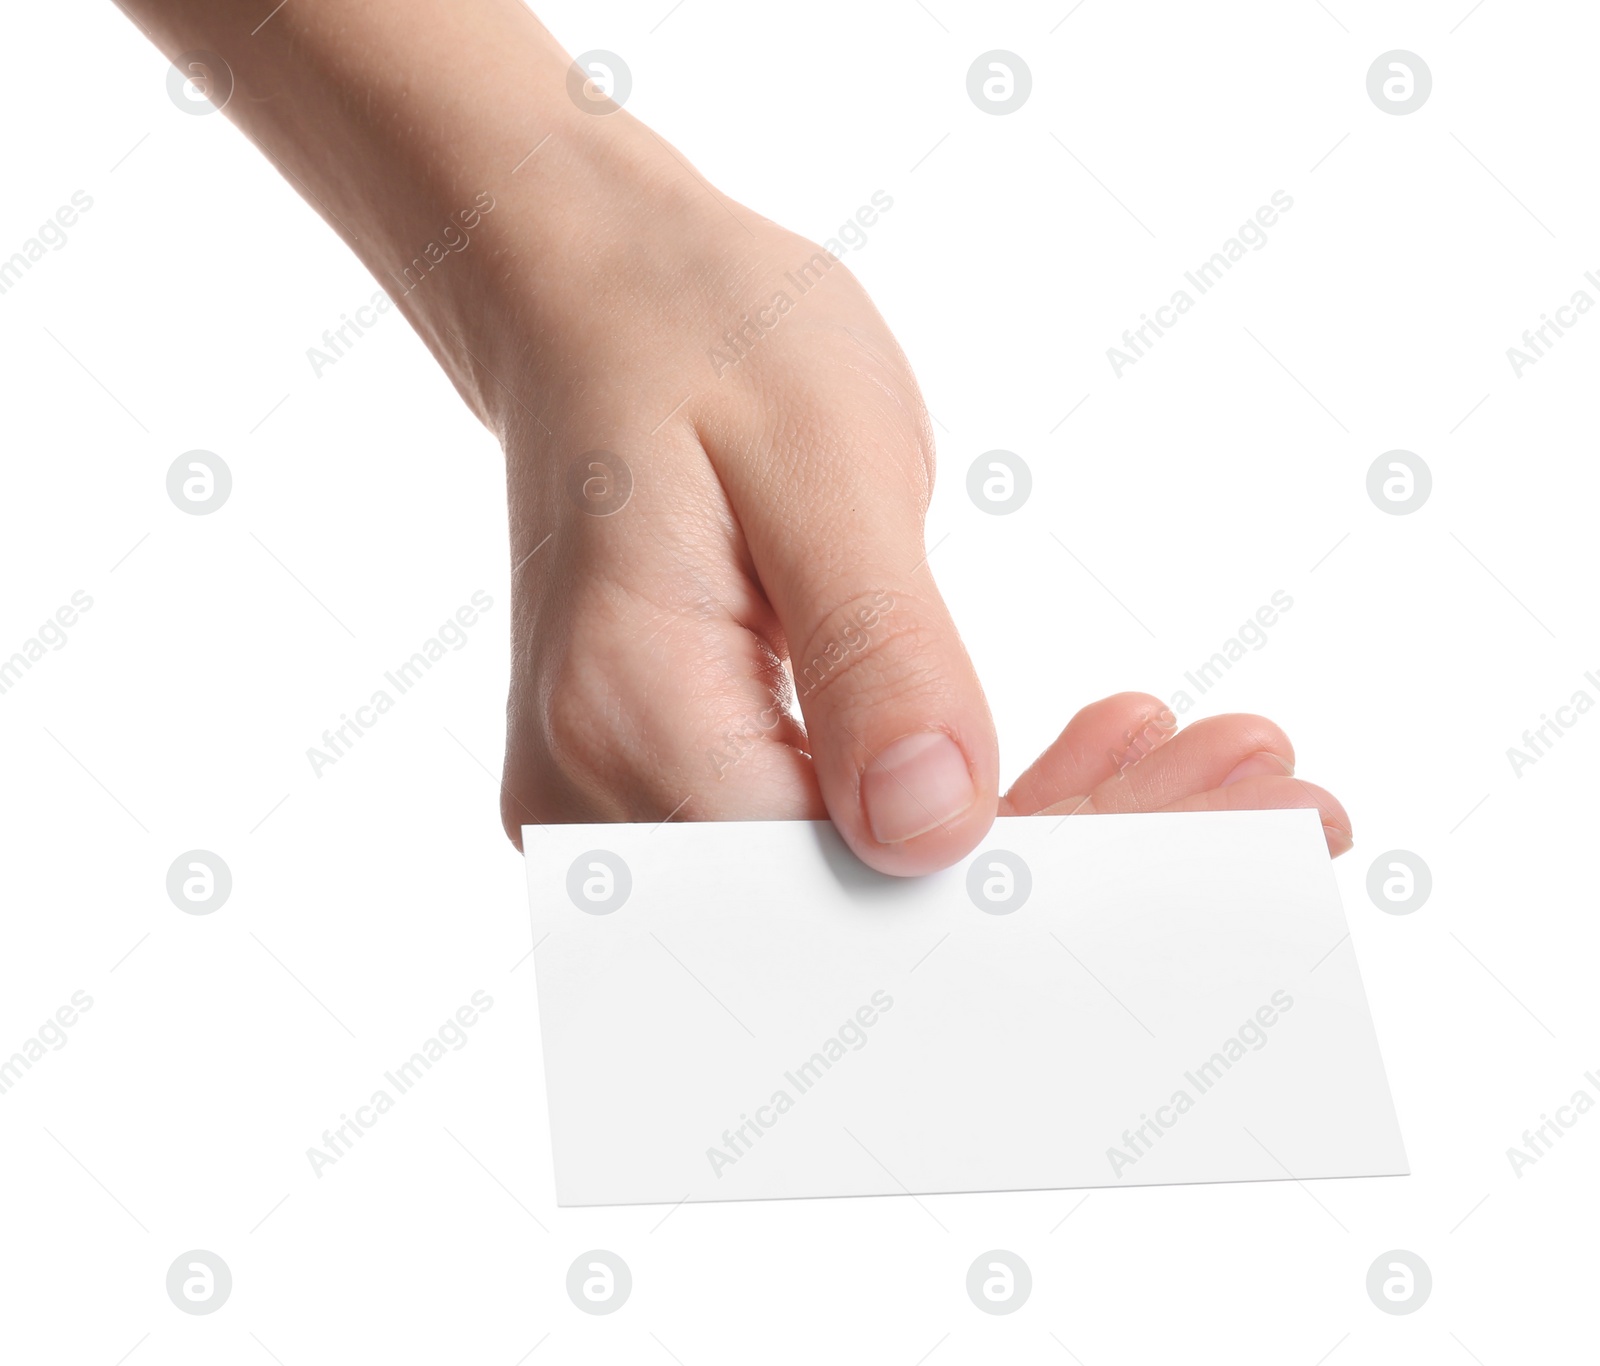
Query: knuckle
[
  {"x": 562, "y": 749},
  {"x": 1258, "y": 733},
  {"x": 569, "y": 730}
]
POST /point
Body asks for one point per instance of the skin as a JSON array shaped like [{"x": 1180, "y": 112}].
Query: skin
[{"x": 777, "y": 504}]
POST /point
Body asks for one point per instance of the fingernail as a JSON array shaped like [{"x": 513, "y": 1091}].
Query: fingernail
[
  {"x": 915, "y": 785},
  {"x": 1339, "y": 841},
  {"x": 1263, "y": 762}
]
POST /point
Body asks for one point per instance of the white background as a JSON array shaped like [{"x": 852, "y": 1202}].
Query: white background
[{"x": 367, "y": 506}]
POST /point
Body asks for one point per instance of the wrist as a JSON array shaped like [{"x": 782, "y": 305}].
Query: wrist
[
  {"x": 535, "y": 250},
  {"x": 596, "y": 226},
  {"x": 453, "y": 153}
]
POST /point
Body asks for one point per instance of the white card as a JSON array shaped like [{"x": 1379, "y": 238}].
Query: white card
[{"x": 744, "y": 1011}]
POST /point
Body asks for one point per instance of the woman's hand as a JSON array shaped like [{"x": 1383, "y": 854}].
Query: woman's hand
[
  {"x": 718, "y": 462},
  {"x": 1126, "y": 754},
  {"x": 754, "y": 633}
]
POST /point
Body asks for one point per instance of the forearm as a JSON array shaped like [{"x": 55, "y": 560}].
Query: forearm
[{"x": 408, "y": 124}]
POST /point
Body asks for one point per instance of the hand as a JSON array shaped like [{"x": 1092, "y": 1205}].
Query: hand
[
  {"x": 1126, "y": 754},
  {"x": 771, "y": 552},
  {"x": 718, "y": 463}
]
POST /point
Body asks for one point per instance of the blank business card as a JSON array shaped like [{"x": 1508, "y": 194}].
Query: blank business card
[{"x": 744, "y": 1011}]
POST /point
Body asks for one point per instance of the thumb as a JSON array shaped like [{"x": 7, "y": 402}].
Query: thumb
[
  {"x": 899, "y": 732},
  {"x": 897, "y": 726}
]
